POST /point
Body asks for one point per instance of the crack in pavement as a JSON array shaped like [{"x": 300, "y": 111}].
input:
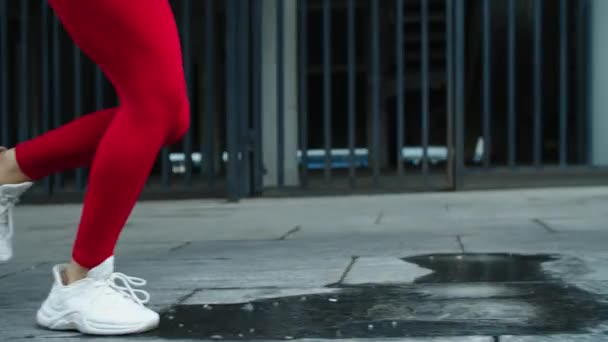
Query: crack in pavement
[
  {"x": 460, "y": 243},
  {"x": 179, "y": 301},
  {"x": 348, "y": 269},
  {"x": 185, "y": 244},
  {"x": 545, "y": 226},
  {"x": 291, "y": 232},
  {"x": 35, "y": 266},
  {"x": 379, "y": 218}
]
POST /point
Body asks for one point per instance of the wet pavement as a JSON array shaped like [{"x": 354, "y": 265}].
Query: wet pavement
[
  {"x": 488, "y": 266},
  {"x": 466, "y": 294}
]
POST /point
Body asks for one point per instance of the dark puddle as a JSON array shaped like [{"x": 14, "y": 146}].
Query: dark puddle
[
  {"x": 481, "y": 267},
  {"x": 470, "y": 294}
]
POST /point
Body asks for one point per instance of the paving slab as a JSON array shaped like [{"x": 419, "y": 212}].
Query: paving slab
[
  {"x": 258, "y": 251},
  {"x": 153, "y": 339},
  {"x": 25, "y": 290},
  {"x": 432, "y": 339},
  {"x": 197, "y": 273},
  {"x": 181, "y": 229},
  {"x": 73, "y": 338},
  {"x": 557, "y": 338},
  {"x": 244, "y": 296},
  {"x": 576, "y": 224},
  {"x": 524, "y": 241},
  {"x": 397, "y": 245},
  {"x": 16, "y": 267},
  {"x": 378, "y": 270},
  {"x": 381, "y": 244},
  {"x": 19, "y": 323}
]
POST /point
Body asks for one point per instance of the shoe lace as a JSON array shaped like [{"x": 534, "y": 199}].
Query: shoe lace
[{"x": 123, "y": 284}]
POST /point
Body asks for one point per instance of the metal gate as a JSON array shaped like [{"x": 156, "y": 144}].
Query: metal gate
[
  {"x": 406, "y": 95},
  {"x": 372, "y": 96},
  {"x": 334, "y": 96},
  {"x": 46, "y": 81},
  {"x": 520, "y": 94}
]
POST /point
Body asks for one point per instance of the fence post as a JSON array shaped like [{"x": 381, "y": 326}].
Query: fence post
[
  {"x": 256, "y": 94},
  {"x": 4, "y": 96},
  {"x": 459, "y": 91},
  {"x": 232, "y": 103}
]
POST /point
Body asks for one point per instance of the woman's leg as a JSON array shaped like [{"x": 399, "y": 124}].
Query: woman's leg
[
  {"x": 136, "y": 43},
  {"x": 67, "y": 147}
]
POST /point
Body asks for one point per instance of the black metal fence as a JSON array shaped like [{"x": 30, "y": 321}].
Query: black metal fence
[
  {"x": 392, "y": 95},
  {"x": 531, "y": 70},
  {"x": 46, "y": 82},
  {"x": 448, "y": 94}
]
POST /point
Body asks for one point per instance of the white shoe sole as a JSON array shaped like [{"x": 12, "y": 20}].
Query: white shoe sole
[{"x": 75, "y": 321}]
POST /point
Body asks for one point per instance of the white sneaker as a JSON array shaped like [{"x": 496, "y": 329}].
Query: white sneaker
[
  {"x": 9, "y": 196},
  {"x": 97, "y": 304}
]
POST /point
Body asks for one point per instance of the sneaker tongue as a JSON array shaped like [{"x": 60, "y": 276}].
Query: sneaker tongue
[{"x": 103, "y": 270}]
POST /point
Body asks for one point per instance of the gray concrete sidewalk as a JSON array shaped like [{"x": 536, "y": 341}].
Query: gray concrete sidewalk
[{"x": 196, "y": 253}]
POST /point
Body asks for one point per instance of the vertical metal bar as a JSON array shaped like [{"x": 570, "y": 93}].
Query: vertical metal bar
[
  {"x": 45, "y": 79},
  {"x": 165, "y": 167},
  {"x": 400, "y": 86},
  {"x": 449, "y": 34},
  {"x": 231, "y": 99},
  {"x": 580, "y": 86},
  {"x": 564, "y": 97},
  {"x": 352, "y": 79},
  {"x": 327, "y": 103},
  {"x": 280, "y": 94},
  {"x": 375, "y": 83},
  {"x": 229, "y": 63},
  {"x": 587, "y": 18},
  {"x": 459, "y": 91},
  {"x": 237, "y": 94},
  {"x": 511, "y": 83},
  {"x": 99, "y": 89},
  {"x": 209, "y": 151},
  {"x": 538, "y": 104},
  {"x": 24, "y": 113},
  {"x": 4, "y": 117},
  {"x": 77, "y": 81},
  {"x": 187, "y": 57},
  {"x": 424, "y": 22},
  {"x": 487, "y": 83},
  {"x": 164, "y": 155},
  {"x": 244, "y": 101},
  {"x": 78, "y": 105},
  {"x": 57, "y": 105},
  {"x": 303, "y": 88},
  {"x": 256, "y": 91}
]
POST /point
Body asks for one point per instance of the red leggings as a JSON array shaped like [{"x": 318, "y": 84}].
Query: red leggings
[{"x": 136, "y": 44}]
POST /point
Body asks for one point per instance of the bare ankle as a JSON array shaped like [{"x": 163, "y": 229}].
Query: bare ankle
[
  {"x": 10, "y": 173},
  {"x": 73, "y": 273}
]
